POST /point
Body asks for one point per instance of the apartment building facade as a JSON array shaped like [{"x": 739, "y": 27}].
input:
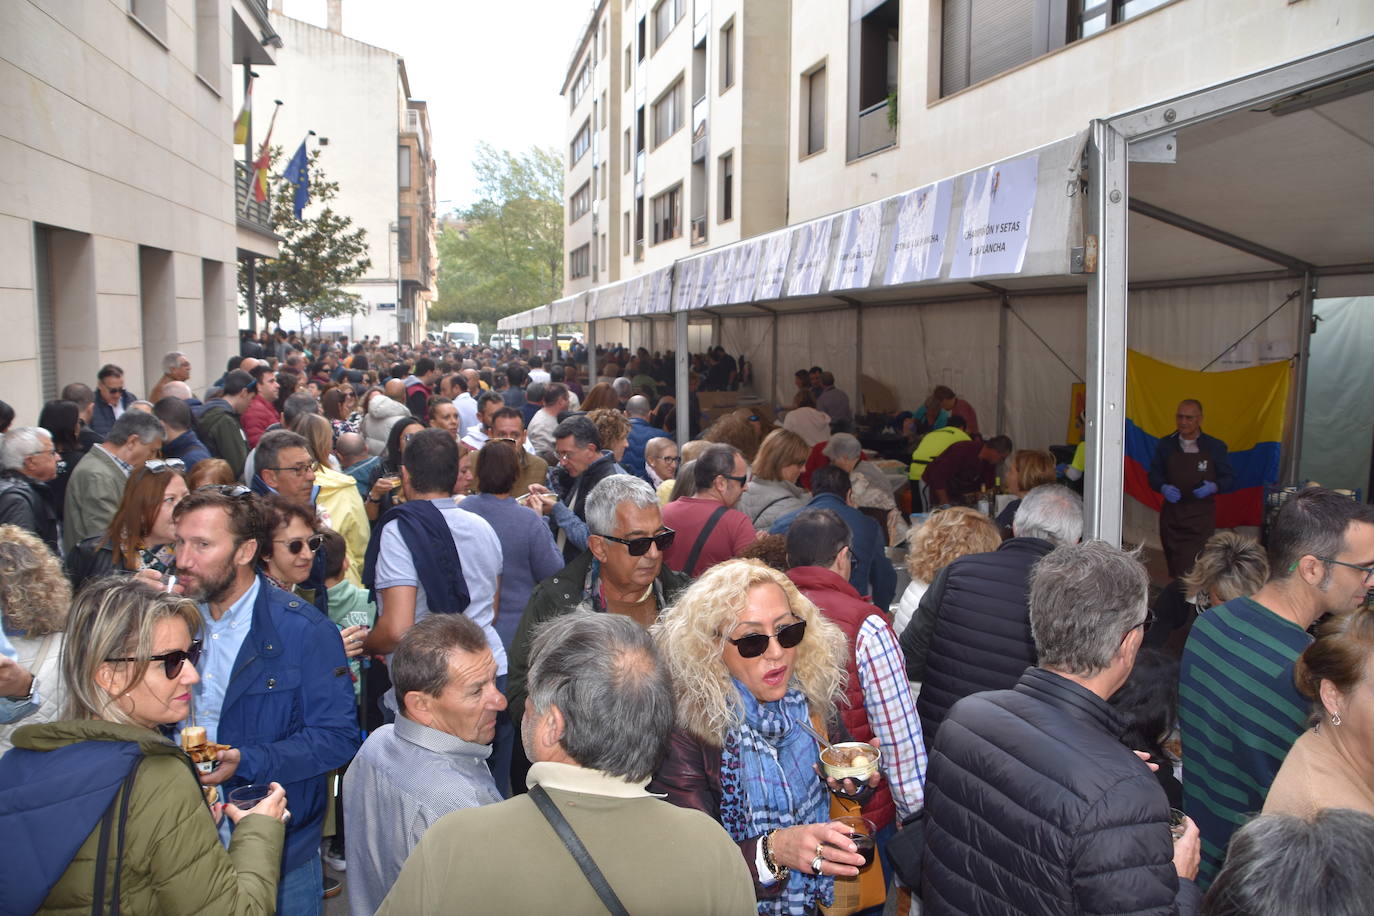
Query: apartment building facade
[
  {"x": 688, "y": 147},
  {"x": 375, "y": 142},
  {"x": 123, "y": 210}
]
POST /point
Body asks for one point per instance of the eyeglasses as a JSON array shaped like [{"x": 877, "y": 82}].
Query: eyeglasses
[
  {"x": 233, "y": 491},
  {"x": 1148, "y": 622},
  {"x": 742, "y": 481},
  {"x": 638, "y": 547},
  {"x": 296, "y": 545},
  {"x": 755, "y": 644},
  {"x": 1366, "y": 571},
  {"x": 297, "y": 469},
  {"x": 504, "y": 439},
  {"x": 171, "y": 661},
  {"x": 159, "y": 465},
  {"x": 671, "y": 459}
]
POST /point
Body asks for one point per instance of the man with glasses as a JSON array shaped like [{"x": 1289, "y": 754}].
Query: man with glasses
[
  {"x": 1189, "y": 469},
  {"x": 111, "y": 399},
  {"x": 284, "y": 466},
  {"x": 582, "y": 466},
  {"x": 621, "y": 572},
  {"x": 1239, "y": 711},
  {"x": 28, "y": 462},
  {"x": 878, "y": 702},
  {"x": 507, "y": 425},
  {"x": 97, "y": 483},
  {"x": 1033, "y": 804},
  {"x": 176, "y": 367},
  {"x": 710, "y": 528},
  {"x": 275, "y": 683}
]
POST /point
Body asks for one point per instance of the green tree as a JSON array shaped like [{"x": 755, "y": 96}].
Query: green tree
[
  {"x": 508, "y": 254},
  {"x": 320, "y": 253}
]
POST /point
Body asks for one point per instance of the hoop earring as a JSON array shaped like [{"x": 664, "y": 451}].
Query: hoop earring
[{"x": 1335, "y": 718}]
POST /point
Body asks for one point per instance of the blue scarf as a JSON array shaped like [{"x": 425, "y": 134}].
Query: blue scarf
[
  {"x": 430, "y": 541},
  {"x": 767, "y": 783}
]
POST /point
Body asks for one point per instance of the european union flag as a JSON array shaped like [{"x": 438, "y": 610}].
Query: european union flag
[{"x": 298, "y": 173}]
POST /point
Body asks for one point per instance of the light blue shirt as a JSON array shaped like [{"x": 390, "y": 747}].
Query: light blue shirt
[
  {"x": 222, "y": 640},
  {"x": 12, "y": 710}
]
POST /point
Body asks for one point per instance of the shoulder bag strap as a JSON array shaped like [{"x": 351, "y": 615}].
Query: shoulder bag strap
[
  {"x": 759, "y": 514},
  {"x": 102, "y": 861},
  {"x": 579, "y": 852},
  {"x": 702, "y": 539},
  {"x": 119, "y": 843}
]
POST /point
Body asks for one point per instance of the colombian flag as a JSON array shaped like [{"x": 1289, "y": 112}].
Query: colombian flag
[{"x": 1243, "y": 408}]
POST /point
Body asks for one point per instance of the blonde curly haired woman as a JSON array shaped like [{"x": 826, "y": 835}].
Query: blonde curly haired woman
[
  {"x": 752, "y": 662},
  {"x": 35, "y": 596},
  {"x": 945, "y": 537}
]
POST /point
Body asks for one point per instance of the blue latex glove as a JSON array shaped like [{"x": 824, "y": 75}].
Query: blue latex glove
[
  {"x": 1060, "y": 469},
  {"x": 1206, "y": 490},
  {"x": 1172, "y": 493}
]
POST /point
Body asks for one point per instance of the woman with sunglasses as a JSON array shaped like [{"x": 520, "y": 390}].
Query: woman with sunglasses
[
  {"x": 290, "y": 540},
  {"x": 119, "y": 806},
  {"x": 755, "y": 664},
  {"x": 140, "y": 534}
]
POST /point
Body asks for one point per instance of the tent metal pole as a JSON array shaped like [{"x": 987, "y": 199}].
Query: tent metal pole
[
  {"x": 682, "y": 390},
  {"x": 773, "y": 369},
  {"x": 1002, "y": 363},
  {"x": 590, "y": 344},
  {"x": 1309, "y": 293},
  {"x": 1106, "y": 344},
  {"x": 858, "y": 388}
]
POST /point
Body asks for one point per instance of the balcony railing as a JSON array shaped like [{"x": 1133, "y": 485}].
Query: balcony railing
[
  {"x": 698, "y": 230},
  {"x": 256, "y": 213},
  {"x": 875, "y": 132},
  {"x": 700, "y": 142},
  {"x": 411, "y": 123}
]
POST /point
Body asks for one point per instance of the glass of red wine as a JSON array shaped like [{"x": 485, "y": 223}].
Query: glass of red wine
[{"x": 861, "y": 831}]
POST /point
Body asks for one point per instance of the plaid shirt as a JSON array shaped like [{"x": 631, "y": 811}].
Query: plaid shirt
[{"x": 892, "y": 713}]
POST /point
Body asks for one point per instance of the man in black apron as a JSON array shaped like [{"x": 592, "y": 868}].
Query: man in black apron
[{"x": 1189, "y": 469}]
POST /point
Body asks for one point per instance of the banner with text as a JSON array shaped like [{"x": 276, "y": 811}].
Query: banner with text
[
  {"x": 995, "y": 228},
  {"x": 918, "y": 244},
  {"x": 858, "y": 247}
]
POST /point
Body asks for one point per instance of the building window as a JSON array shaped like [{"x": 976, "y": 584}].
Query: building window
[
  {"x": 666, "y": 15},
  {"x": 403, "y": 165},
  {"x": 625, "y": 235},
  {"x": 583, "y": 82},
  {"x": 207, "y": 42},
  {"x": 667, "y": 215},
  {"x": 725, "y": 206},
  {"x": 603, "y": 109},
  {"x": 629, "y": 150},
  {"x": 727, "y": 55},
  {"x": 605, "y": 248},
  {"x": 629, "y": 65},
  {"x": 605, "y": 177},
  {"x": 580, "y": 143},
  {"x": 580, "y": 203},
  {"x": 641, "y": 39},
  {"x": 403, "y": 240},
  {"x": 813, "y": 111},
  {"x": 668, "y": 112},
  {"x": 152, "y": 15},
  {"x": 876, "y": 40},
  {"x": 1092, "y": 16},
  {"x": 604, "y": 42},
  {"x": 579, "y": 262}
]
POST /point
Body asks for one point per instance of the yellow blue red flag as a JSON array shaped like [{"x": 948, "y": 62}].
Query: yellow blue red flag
[{"x": 1244, "y": 408}]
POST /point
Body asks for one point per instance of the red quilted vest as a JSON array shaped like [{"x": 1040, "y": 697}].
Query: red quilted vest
[{"x": 841, "y": 604}]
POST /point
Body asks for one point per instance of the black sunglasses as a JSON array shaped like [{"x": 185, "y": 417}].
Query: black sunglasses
[
  {"x": 231, "y": 490},
  {"x": 295, "y": 545},
  {"x": 171, "y": 661},
  {"x": 739, "y": 480},
  {"x": 159, "y": 465},
  {"x": 638, "y": 547},
  {"x": 755, "y": 644}
]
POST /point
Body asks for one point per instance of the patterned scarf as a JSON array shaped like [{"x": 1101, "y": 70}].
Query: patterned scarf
[{"x": 767, "y": 783}]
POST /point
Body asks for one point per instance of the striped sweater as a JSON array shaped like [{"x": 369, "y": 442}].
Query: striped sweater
[{"x": 1239, "y": 713}]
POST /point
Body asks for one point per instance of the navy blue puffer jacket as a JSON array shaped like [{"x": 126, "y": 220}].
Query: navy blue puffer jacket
[{"x": 1033, "y": 806}]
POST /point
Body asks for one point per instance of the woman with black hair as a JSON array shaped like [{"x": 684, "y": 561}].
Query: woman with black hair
[
  {"x": 387, "y": 492},
  {"x": 1147, "y": 705},
  {"x": 62, "y": 420}
]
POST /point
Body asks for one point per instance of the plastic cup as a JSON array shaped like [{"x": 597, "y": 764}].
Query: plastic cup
[
  {"x": 246, "y": 797},
  {"x": 1177, "y": 825},
  {"x": 861, "y": 831}
]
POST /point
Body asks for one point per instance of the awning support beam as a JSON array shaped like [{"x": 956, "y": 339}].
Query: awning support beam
[
  {"x": 1309, "y": 293},
  {"x": 1105, "y": 429},
  {"x": 683, "y": 391},
  {"x": 1220, "y": 236}
]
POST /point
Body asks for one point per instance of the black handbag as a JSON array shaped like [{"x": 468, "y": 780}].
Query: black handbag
[{"x": 906, "y": 847}]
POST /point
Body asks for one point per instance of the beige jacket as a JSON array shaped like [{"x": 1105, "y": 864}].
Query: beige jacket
[
  {"x": 505, "y": 858},
  {"x": 1315, "y": 776}
]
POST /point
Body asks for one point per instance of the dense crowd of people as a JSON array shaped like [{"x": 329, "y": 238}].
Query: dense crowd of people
[{"x": 471, "y": 627}]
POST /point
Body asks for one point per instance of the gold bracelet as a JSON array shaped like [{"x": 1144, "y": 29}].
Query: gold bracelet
[{"x": 779, "y": 871}]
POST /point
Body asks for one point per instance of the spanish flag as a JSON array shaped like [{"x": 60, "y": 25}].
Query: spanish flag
[
  {"x": 1244, "y": 408},
  {"x": 245, "y": 113},
  {"x": 264, "y": 160}
]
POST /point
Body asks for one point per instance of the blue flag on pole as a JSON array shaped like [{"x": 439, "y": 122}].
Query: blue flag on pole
[{"x": 298, "y": 173}]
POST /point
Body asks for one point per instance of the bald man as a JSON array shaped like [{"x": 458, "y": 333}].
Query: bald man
[
  {"x": 1189, "y": 469},
  {"x": 395, "y": 389}
]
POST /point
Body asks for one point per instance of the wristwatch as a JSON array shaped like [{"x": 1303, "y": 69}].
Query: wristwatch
[{"x": 28, "y": 697}]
